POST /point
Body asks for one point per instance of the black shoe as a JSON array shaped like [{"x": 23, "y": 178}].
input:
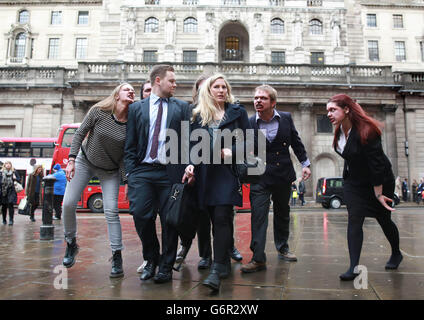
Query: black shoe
[
  {"x": 235, "y": 254},
  {"x": 163, "y": 277},
  {"x": 117, "y": 270},
  {"x": 348, "y": 276},
  {"x": 394, "y": 262},
  {"x": 4, "y": 222},
  {"x": 11, "y": 223},
  {"x": 32, "y": 219},
  {"x": 148, "y": 271},
  {"x": 56, "y": 218},
  {"x": 204, "y": 263},
  {"x": 70, "y": 254},
  {"x": 212, "y": 281},
  {"x": 181, "y": 254}
]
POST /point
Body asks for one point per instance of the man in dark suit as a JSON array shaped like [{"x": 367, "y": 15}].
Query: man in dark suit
[
  {"x": 276, "y": 181},
  {"x": 150, "y": 177}
]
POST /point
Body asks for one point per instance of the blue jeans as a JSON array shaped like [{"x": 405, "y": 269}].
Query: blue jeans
[{"x": 109, "y": 181}]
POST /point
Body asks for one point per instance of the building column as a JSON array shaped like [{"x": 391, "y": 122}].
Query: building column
[
  {"x": 80, "y": 110},
  {"x": 306, "y": 133},
  {"x": 390, "y": 145}
]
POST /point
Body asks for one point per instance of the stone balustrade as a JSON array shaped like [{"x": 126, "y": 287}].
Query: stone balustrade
[{"x": 237, "y": 72}]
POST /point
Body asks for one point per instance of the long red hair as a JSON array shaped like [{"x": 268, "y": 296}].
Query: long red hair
[{"x": 367, "y": 127}]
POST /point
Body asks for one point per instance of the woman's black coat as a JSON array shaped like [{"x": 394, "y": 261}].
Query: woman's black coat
[
  {"x": 216, "y": 184},
  {"x": 365, "y": 166}
]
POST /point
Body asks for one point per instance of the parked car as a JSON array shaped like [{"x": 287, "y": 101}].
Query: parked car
[{"x": 330, "y": 192}]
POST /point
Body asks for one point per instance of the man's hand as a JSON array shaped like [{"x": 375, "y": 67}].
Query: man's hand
[
  {"x": 189, "y": 175},
  {"x": 306, "y": 173}
]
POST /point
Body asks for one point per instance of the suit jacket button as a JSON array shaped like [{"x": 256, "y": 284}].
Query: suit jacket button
[
  {"x": 278, "y": 163},
  {"x": 278, "y": 153},
  {"x": 284, "y": 144}
]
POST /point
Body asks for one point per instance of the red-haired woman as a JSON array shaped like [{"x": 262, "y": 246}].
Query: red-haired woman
[{"x": 368, "y": 177}]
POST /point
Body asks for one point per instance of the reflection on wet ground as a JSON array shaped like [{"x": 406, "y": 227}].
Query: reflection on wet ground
[{"x": 31, "y": 268}]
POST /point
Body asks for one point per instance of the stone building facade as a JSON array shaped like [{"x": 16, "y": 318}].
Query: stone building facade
[{"x": 59, "y": 57}]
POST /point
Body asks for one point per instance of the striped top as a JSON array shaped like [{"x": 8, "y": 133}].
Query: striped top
[{"x": 104, "y": 146}]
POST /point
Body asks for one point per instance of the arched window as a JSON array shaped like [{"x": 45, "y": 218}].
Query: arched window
[
  {"x": 315, "y": 26},
  {"x": 232, "y": 49},
  {"x": 151, "y": 25},
  {"x": 23, "y": 17},
  {"x": 20, "y": 44},
  {"x": 277, "y": 26},
  {"x": 190, "y": 25}
]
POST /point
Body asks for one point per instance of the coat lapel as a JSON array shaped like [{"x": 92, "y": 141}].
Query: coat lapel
[
  {"x": 171, "y": 110},
  {"x": 145, "y": 116},
  {"x": 232, "y": 112}
]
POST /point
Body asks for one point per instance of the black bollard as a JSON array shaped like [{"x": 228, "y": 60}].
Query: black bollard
[{"x": 47, "y": 228}]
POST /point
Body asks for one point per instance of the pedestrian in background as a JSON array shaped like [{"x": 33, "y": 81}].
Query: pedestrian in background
[
  {"x": 302, "y": 190},
  {"x": 34, "y": 188},
  {"x": 103, "y": 131},
  {"x": 368, "y": 177},
  {"x": 405, "y": 190},
  {"x": 294, "y": 193},
  {"x": 8, "y": 193},
  {"x": 58, "y": 190},
  {"x": 414, "y": 188}
]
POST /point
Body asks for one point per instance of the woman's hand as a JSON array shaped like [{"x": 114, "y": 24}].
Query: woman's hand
[
  {"x": 70, "y": 170},
  {"x": 383, "y": 200},
  {"x": 126, "y": 191},
  {"x": 226, "y": 153},
  {"x": 188, "y": 174},
  {"x": 378, "y": 190}
]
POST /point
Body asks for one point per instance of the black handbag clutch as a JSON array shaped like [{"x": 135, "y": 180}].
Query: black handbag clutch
[
  {"x": 181, "y": 212},
  {"x": 241, "y": 170}
]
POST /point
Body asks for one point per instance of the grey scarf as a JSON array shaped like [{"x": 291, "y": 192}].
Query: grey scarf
[{"x": 7, "y": 181}]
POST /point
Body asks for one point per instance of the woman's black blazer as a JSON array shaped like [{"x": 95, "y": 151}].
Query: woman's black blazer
[{"x": 365, "y": 164}]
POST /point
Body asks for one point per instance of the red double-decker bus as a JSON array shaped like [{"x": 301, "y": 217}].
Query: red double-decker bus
[{"x": 91, "y": 198}]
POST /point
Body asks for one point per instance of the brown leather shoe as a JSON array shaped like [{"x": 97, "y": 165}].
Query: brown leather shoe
[
  {"x": 253, "y": 266},
  {"x": 287, "y": 256}
]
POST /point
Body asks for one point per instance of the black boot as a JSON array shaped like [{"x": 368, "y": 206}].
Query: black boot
[
  {"x": 70, "y": 254},
  {"x": 218, "y": 271},
  {"x": 117, "y": 270}
]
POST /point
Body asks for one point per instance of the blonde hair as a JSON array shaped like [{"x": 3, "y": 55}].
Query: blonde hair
[
  {"x": 4, "y": 166},
  {"x": 206, "y": 107},
  {"x": 109, "y": 103}
]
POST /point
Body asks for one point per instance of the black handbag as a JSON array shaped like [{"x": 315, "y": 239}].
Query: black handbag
[
  {"x": 241, "y": 170},
  {"x": 181, "y": 212}
]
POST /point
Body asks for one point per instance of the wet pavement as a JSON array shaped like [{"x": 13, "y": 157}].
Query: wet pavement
[{"x": 31, "y": 268}]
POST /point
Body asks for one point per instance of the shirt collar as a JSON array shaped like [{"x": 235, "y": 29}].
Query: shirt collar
[
  {"x": 276, "y": 114},
  {"x": 154, "y": 98}
]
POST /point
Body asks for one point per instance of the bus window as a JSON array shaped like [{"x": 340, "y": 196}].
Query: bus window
[{"x": 68, "y": 135}]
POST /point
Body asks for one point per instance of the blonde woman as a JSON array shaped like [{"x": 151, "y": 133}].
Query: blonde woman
[
  {"x": 218, "y": 187},
  {"x": 100, "y": 155},
  {"x": 8, "y": 195}
]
